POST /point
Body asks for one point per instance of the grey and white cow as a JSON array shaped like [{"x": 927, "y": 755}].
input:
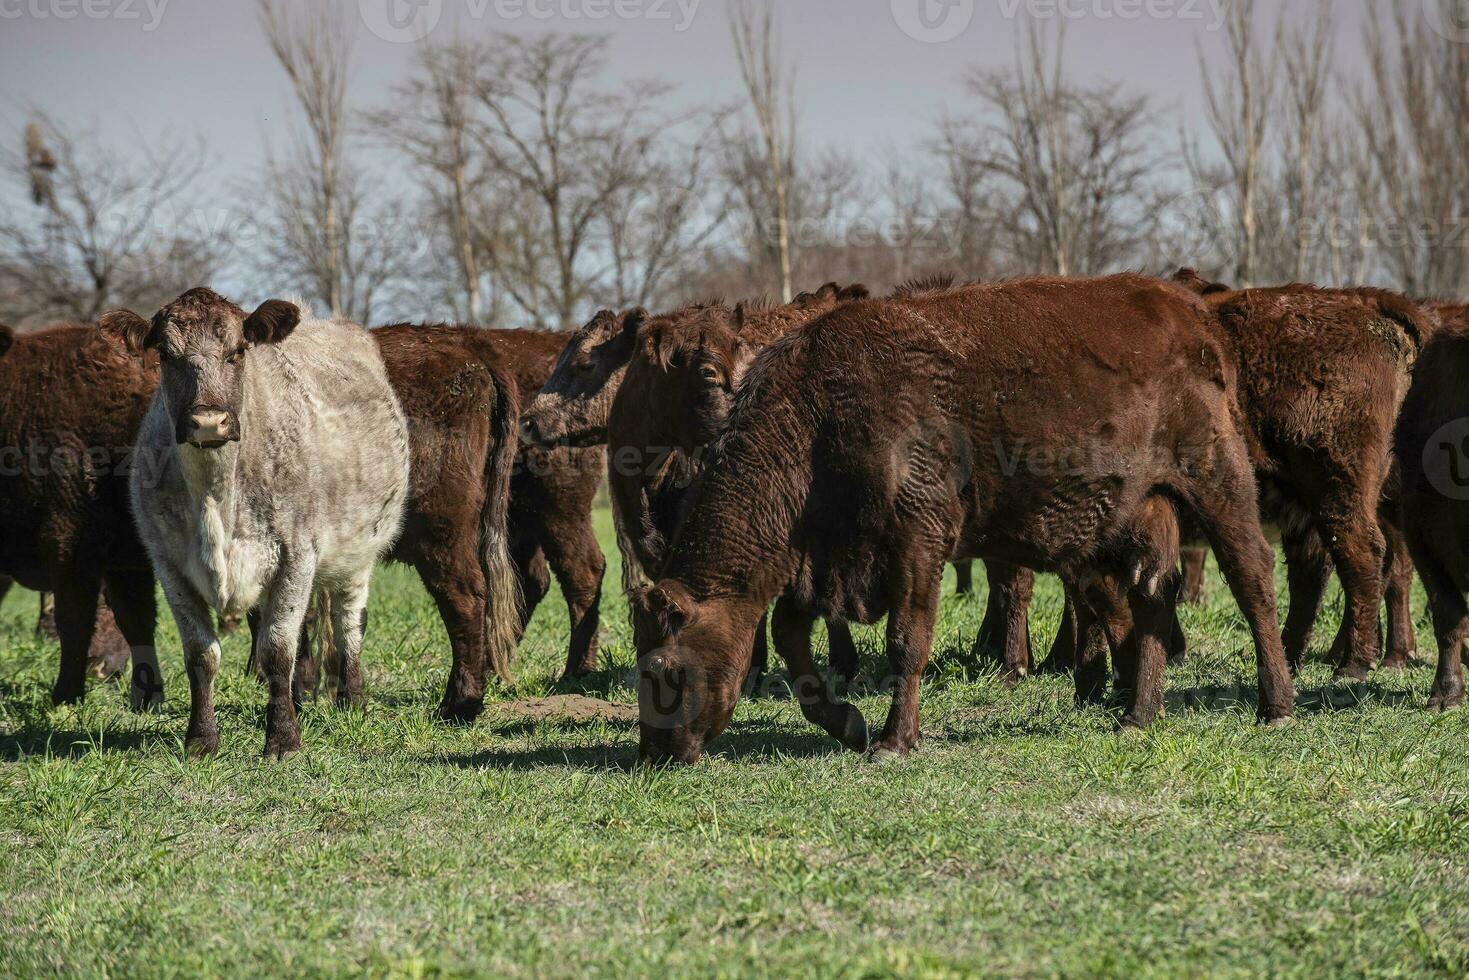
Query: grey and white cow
[{"x": 273, "y": 463}]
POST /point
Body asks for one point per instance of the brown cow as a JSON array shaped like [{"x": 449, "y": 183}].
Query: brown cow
[
  {"x": 550, "y": 497},
  {"x": 1432, "y": 448},
  {"x": 673, "y": 401},
  {"x": 1322, "y": 373},
  {"x": 71, "y": 399},
  {"x": 462, "y": 408},
  {"x": 867, "y": 449}
]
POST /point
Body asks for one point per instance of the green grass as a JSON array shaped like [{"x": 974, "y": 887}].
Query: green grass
[{"x": 1021, "y": 838}]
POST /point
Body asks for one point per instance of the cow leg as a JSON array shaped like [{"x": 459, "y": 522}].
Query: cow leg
[
  {"x": 6, "y": 584},
  {"x": 1006, "y": 625},
  {"x": 1152, "y": 623},
  {"x": 533, "y": 575},
  {"x": 577, "y": 561},
  {"x": 911, "y": 617},
  {"x": 195, "y": 621},
  {"x": 457, "y": 586},
  {"x": 1177, "y": 638},
  {"x": 108, "y": 655},
  {"x": 1064, "y": 651},
  {"x": 759, "y": 656},
  {"x": 349, "y": 627},
  {"x": 283, "y": 612},
  {"x": 964, "y": 577},
  {"x": 1360, "y": 552},
  {"x": 1401, "y": 641},
  {"x": 1192, "y": 562},
  {"x": 790, "y": 628},
  {"x": 46, "y": 617},
  {"x": 1307, "y": 570},
  {"x": 76, "y": 621},
  {"x": 842, "y": 649},
  {"x": 1228, "y": 510},
  {"x": 1089, "y": 653},
  {"x": 1450, "y": 614},
  {"x": 135, "y": 608}
]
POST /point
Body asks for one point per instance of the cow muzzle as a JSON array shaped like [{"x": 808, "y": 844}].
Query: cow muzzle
[{"x": 211, "y": 428}]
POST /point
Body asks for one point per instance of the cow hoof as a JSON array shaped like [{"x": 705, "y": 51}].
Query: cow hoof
[
  {"x": 199, "y": 746},
  {"x": 854, "y": 730},
  {"x": 460, "y": 711},
  {"x": 61, "y": 695},
  {"x": 1440, "y": 703},
  {"x": 354, "y": 702},
  {"x": 1130, "y": 726},
  {"x": 278, "y": 750},
  {"x": 99, "y": 669},
  {"x": 1281, "y": 721},
  {"x": 1353, "y": 672},
  {"x": 885, "y": 753},
  {"x": 1397, "y": 663},
  {"x": 145, "y": 700}
]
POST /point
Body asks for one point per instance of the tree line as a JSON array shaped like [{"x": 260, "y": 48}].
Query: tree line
[{"x": 511, "y": 180}]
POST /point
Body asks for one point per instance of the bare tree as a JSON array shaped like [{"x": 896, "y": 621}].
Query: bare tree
[
  {"x": 559, "y": 153},
  {"x": 92, "y": 227},
  {"x": 432, "y": 122},
  {"x": 1413, "y": 118},
  {"x": 771, "y": 90},
  {"x": 1071, "y": 164},
  {"x": 1305, "y": 56},
  {"x": 1238, "y": 99}
]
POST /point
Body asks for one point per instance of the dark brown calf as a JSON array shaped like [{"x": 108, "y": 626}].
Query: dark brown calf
[
  {"x": 71, "y": 400},
  {"x": 1432, "y": 449},
  {"x": 551, "y": 497},
  {"x": 462, "y": 408},
  {"x": 1322, "y": 373},
  {"x": 869, "y": 448},
  {"x": 672, "y": 403}
]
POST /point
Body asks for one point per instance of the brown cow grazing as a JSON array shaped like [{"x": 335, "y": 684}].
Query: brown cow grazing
[
  {"x": 872, "y": 446},
  {"x": 462, "y": 409},
  {"x": 1432, "y": 447},
  {"x": 673, "y": 401},
  {"x": 71, "y": 400},
  {"x": 1322, "y": 373}
]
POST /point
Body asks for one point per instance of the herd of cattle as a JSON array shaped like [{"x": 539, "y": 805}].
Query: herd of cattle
[{"x": 824, "y": 458}]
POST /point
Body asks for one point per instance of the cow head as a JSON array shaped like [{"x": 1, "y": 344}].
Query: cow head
[
  {"x": 7, "y": 337},
  {"x": 692, "y": 660},
  {"x": 573, "y": 404},
  {"x": 203, "y": 342},
  {"x": 689, "y": 365}
]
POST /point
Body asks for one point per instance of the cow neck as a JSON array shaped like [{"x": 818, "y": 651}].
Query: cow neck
[{"x": 210, "y": 474}]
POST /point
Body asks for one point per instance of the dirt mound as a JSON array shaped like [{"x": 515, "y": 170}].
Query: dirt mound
[{"x": 562, "y": 707}]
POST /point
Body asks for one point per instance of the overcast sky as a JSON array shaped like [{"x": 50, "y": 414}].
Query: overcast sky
[{"x": 136, "y": 68}]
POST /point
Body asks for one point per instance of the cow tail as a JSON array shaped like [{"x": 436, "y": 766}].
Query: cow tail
[{"x": 503, "y": 610}]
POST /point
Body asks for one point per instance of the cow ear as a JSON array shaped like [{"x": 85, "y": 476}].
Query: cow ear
[
  {"x": 7, "y": 337},
  {"x": 740, "y": 316},
  {"x": 135, "y": 333},
  {"x": 852, "y": 293},
  {"x": 272, "y": 322},
  {"x": 632, "y": 322},
  {"x": 671, "y": 605}
]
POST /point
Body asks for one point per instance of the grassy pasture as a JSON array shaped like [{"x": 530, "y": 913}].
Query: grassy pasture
[{"x": 1022, "y": 838}]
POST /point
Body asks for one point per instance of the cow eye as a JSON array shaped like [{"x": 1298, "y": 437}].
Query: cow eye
[
  {"x": 709, "y": 373},
  {"x": 238, "y": 355}
]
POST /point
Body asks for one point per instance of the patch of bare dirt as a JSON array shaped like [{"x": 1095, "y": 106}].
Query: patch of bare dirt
[{"x": 563, "y": 707}]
